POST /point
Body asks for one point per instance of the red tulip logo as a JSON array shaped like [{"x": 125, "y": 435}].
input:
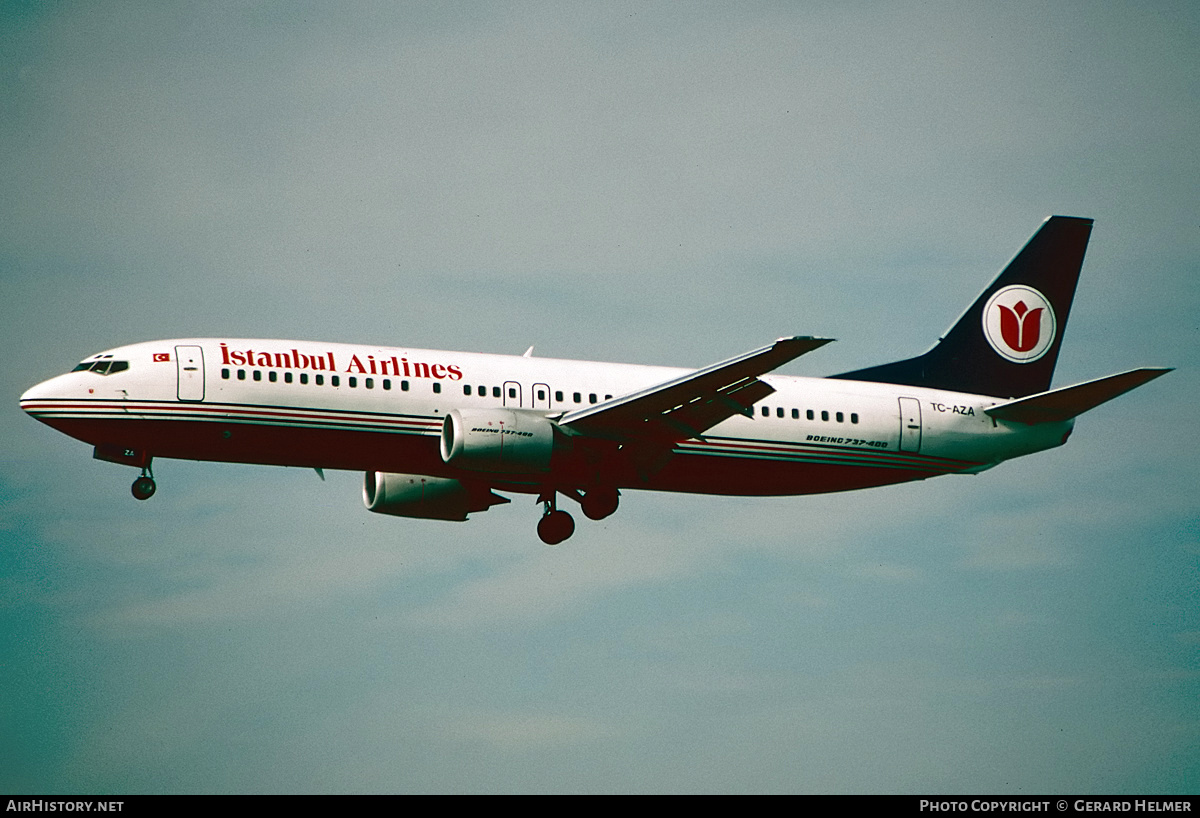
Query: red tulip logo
[
  {"x": 1020, "y": 326},
  {"x": 1018, "y": 322}
]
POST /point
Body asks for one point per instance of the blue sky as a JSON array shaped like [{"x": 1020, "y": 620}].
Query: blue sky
[{"x": 656, "y": 183}]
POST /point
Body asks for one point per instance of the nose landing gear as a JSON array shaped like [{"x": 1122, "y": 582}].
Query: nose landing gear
[{"x": 143, "y": 488}]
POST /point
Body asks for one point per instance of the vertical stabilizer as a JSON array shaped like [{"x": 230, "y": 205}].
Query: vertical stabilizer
[{"x": 1007, "y": 342}]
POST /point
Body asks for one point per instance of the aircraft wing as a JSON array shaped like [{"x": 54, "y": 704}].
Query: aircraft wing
[{"x": 687, "y": 406}]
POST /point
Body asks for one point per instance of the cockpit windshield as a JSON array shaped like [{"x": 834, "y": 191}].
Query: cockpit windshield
[{"x": 103, "y": 366}]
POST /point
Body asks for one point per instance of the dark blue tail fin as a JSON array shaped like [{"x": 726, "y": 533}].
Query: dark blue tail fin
[{"x": 1007, "y": 343}]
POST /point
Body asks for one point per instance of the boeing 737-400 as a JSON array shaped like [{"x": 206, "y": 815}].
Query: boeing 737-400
[{"x": 439, "y": 433}]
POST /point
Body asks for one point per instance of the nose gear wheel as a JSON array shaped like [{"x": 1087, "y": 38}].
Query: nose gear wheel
[{"x": 143, "y": 488}]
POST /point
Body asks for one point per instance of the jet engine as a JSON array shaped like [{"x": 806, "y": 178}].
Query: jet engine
[
  {"x": 430, "y": 498},
  {"x": 500, "y": 441}
]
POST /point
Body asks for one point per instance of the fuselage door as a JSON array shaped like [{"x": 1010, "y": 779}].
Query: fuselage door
[
  {"x": 189, "y": 362},
  {"x": 512, "y": 394},
  {"x": 910, "y": 425}
]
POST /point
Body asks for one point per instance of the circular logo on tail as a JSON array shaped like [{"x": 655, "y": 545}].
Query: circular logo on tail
[{"x": 1018, "y": 322}]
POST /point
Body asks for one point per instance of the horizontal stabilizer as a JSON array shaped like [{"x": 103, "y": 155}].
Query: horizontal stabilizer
[{"x": 1070, "y": 401}]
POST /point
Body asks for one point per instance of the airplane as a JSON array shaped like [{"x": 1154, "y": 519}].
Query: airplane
[{"x": 439, "y": 433}]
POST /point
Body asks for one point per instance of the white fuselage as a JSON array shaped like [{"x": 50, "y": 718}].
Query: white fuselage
[{"x": 370, "y": 408}]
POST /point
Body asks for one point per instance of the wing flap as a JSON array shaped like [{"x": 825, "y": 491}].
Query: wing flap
[
  {"x": 687, "y": 406},
  {"x": 1070, "y": 401}
]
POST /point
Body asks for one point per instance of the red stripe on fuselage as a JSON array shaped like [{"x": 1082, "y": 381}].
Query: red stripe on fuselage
[
  {"x": 315, "y": 438},
  {"x": 44, "y": 410}
]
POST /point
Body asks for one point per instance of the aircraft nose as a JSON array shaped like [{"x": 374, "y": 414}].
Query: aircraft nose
[
  {"x": 32, "y": 394},
  {"x": 36, "y": 397}
]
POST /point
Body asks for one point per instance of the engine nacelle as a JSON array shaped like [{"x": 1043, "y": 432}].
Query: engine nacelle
[
  {"x": 430, "y": 498},
  {"x": 499, "y": 441}
]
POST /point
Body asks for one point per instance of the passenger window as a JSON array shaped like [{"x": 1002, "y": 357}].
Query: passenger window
[
  {"x": 840, "y": 417},
  {"x": 809, "y": 414},
  {"x": 495, "y": 391},
  {"x": 824, "y": 415},
  {"x": 779, "y": 412},
  {"x": 287, "y": 377},
  {"x": 303, "y": 377},
  {"x": 795, "y": 414},
  {"x": 558, "y": 396},
  {"x": 241, "y": 374},
  {"x": 370, "y": 383},
  {"x": 592, "y": 398},
  {"x": 257, "y": 375},
  {"x": 224, "y": 374},
  {"x": 437, "y": 387},
  {"x": 512, "y": 393},
  {"x": 335, "y": 380},
  {"x": 320, "y": 380},
  {"x": 403, "y": 386},
  {"x": 387, "y": 383},
  {"x": 578, "y": 397},
  {"x": 272, "y": 376},
  {"x": 766, "y": 412},
  {"x": 466, "y": 389},
  {"x": 854, "y": 417},
  {"x": 541, "y": 394}
]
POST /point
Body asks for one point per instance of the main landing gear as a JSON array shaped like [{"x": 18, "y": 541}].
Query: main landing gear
[
  {"x": 598, "y": 503},
  {"x": 557, "y": 525},
  {"x": 143, "y": 488}
]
